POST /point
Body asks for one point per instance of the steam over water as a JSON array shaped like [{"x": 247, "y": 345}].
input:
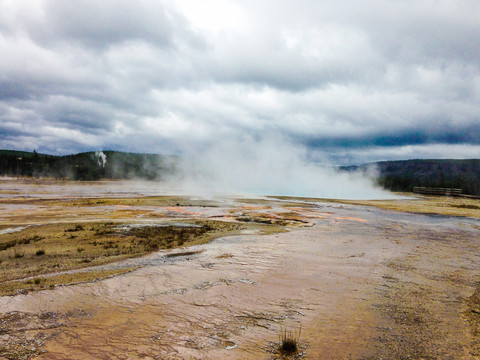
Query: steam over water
[{"x": 269, "y": 167}]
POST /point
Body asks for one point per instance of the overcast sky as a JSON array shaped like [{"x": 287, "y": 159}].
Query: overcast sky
[{"x": 347, "y": 81}]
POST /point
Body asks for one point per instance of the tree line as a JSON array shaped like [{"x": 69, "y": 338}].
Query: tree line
[
  {"x": 86, "y": 166},
  {"x": 406, "y": 174}
]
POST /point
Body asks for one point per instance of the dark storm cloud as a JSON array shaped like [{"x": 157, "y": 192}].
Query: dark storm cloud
[
  {"x": 345, "y": 78},
  {"x": 467, "y": 135}
]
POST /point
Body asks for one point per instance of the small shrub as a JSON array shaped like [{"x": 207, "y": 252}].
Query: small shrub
[
  {"x": 37, "y": 281},
  {"x": 80, "y": 249},
  {"x": 40, "y": 252},
  {"x": 36, "y": 238},
  {"x": 18, "y": 255},
  {"x": 76, "y": 228},
  {"x": 110, "y": 245},
  {"x": 8, "y": 244}
]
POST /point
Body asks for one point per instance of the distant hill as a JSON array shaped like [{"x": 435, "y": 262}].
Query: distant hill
[
  {"x": 404, "y": 175},
  {"x": 18, "y": 153},
  {"x": 87, "y": 166}
]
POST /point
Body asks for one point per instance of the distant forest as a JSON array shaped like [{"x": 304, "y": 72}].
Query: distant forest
[
  {"x": 86, "y": 166},
  {"x": 392, "y": 175},
  {"x": 404, "y": 175}
]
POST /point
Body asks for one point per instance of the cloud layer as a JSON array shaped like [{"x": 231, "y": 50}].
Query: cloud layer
[{"x": 348, "y": 81}]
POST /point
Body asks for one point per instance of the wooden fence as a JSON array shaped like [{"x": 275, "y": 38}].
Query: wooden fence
[{"x": 437, "y": 191}]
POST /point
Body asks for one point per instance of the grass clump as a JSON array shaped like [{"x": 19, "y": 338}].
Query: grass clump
[
  {"x": 288, "y": 344},
  {"x": 18, "y": 255},
  {"x": 76, "y": 228},
  {"x": 153, "y": 238},
  {"x": 40, "y": 252}
]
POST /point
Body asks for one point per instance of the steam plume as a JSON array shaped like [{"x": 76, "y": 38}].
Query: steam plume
[
  {"x": 101, "y": 158},
  {"x": 270, "y": 166}
]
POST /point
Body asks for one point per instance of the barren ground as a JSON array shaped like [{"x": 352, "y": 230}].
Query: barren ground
[{"x": 165, "y": 282}]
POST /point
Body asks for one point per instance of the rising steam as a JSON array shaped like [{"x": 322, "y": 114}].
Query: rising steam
[
  {"x": 269, "y": 167},
  {"x": 101, "y": 158}
]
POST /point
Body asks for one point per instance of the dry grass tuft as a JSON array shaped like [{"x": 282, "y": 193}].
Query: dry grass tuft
[{"x": 289, "y": 341}]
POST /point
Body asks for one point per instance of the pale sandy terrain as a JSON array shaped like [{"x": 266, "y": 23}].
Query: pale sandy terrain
[{"x": 361, "y": 282}]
